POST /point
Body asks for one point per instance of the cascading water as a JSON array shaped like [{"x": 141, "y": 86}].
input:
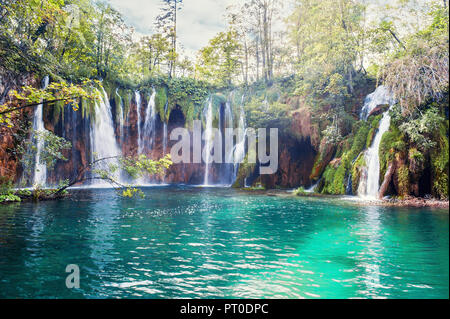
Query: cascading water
[
  {"x": 150, "y": 121},
  {"x": 381, "y": 96},
  {"x": 40, "y": 170},
  {"x": 121, "y": 115},
  {"x": 103, "y": 140},
  {"x": 228, "y": 122},
  {"x": 165, "y": 129},
  {"x": 370, "y": 177},
  {"x": 239, "y": 149},
  {"x": 137, "y": 95},
  {"x": 208, "y": 138}
]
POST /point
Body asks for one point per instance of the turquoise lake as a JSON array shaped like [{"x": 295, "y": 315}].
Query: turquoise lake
[{"x": 188, "y": 242}]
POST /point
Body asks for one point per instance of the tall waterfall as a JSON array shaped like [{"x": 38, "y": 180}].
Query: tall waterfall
[
  {"x": 40, "y": 170},
  {"x": 227, "y": 169},
  {"x": 208, "y": 138},
  {"x": 239, "y": 149},
  {"x": 150, "y": 121},
  {"x": 137, "y": 95},
  {"x": 120, "y": 115},
  {"x": 370, "y": 177},
  {"x": 102, "y": 136},
  {"x": 165, "y": 129}
]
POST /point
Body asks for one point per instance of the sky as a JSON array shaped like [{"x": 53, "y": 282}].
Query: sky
[{"x": 198, "y": 21}]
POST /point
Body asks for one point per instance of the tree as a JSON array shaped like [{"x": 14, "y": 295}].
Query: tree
[
  {"x": 167, "y": 23},
  {"x": 419, "y": 70},
  {"x": 218, "y": 62},
  {"x": 106, "y": 169},
  {"x": 152, "y": 52},
  {"x": 326, "y": 35},
  {"x": 111, "y": 42}
]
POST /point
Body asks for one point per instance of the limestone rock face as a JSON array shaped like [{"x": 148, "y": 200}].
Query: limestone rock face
[
  {"x": 10, "y": 167},
  {"x": 295, "y": 163}
]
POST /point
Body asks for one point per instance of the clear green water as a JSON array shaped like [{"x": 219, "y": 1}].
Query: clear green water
[{"x": 213, "y": 243}]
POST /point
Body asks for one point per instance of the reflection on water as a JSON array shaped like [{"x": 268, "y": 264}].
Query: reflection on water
[
  {"x": 371, "y": 230},
  {"x": 183, "y": 242}
]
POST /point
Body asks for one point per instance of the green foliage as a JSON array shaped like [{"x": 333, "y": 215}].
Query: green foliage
[
  {"x": 299, "y": 191},
  {"x": 257, "y": 187},
  {"x": 415, "y": 155},
  {"x": 351, "y": 160},
  {"x": 245, "y": 170},
  {"x": 418, "y": 70},
  {"x": 57, "y": 93},
  {"x": 391, "y": 143},
  {"x": 260, "y": 113},
  {"x": 219, "y": 60},
  {"x": 9, "y": 198},
  {"x": 24, "y": 193},
  {"x": 7, "y": 193},
  {"x": 440, "y": 164},
  {"x": 326, "y": 48},
  {"x": 132, "y": 192},
  {"x": 359, "y": 141},
  {"x": 403, "y": 180},
  {"x": 421, "y": 127},
  {"x": 161, "y": 102},
  {"x": 144, "y": 165},
  {"x": 51, "y": 152},
  {"x": 357, "y": 166},
  {"x": 373, "y": 130}
]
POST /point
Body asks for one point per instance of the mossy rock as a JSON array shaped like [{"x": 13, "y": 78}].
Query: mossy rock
[
  {"x": 357, "y": 166},
  {"x": 403, "y": 180},
  {"x": 161, "y": 100},
  {"x": 439, "y": 156},
  {"x": 391, "y": 142},
  {"x": 245, "y": 170}
]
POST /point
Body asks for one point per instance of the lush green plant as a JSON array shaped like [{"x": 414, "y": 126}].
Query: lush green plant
[
  {"x": 440, "y": 164},
  {"x": 420, "y": 129},
  {"x": 9, "y": 198},
  {"x": 51, "y": 152},
  {"x": 299, "y": 191}
]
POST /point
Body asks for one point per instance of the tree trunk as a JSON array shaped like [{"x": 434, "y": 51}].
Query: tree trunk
[{"x": 387, "y": 180}]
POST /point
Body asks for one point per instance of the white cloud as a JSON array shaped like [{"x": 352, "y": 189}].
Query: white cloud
[{"x": 198, "y": 22}]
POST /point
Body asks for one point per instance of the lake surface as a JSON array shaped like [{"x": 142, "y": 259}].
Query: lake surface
[{"x": 187, "y": 242}]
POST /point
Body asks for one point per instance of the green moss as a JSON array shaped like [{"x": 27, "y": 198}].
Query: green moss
[
  {"x": 160, "y": 102},
  {"x": 328, "y": 177},
  {"x": 334, "y": 179},
  {"x": 403, "y": 181},
  {"x": 375, "y": 123},
  {"x": 299, "y": 191},
  {"x": 391, "y": 142},
  {"x": 359, "y": 141},
  {"x": 415, "y": 155},
  {"x": 356, "y": 171},
  {"x": 440, "y": 164},
  {"x": 244, "y": 171}
]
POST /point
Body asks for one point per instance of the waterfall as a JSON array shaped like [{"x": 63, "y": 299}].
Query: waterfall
[
  {"x": 370, "y": 178},
  {"x": 138, "y": 124},
  {"x": 40, "y": 170},
  {"x": 349, "y": 187},
  {"x": 102, "y": 137},
  {"x": 121, "y": 116},
  {"x": 370, "y": 187},
  {"x": 381, "y": 96},
  {"x": 165, "y": 128},
  {"x": 239, "y": 149},
  {"x": 228, "y": 167},
  {"x": 150, "y": 121},
  {"x": 208, "y": 138}
]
